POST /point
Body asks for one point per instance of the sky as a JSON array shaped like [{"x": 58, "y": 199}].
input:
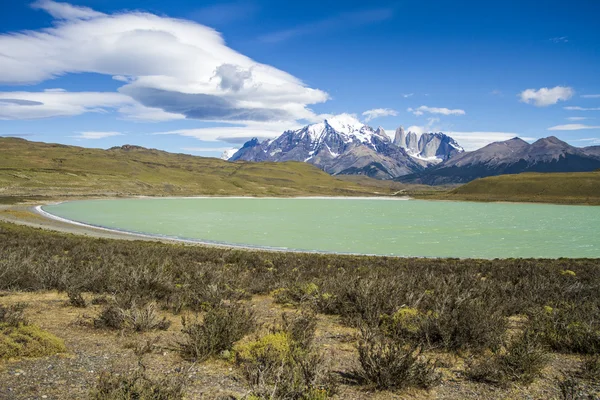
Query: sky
[{"x": 201, "y": 77}]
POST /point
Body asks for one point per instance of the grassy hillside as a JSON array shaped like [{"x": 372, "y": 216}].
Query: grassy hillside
[
  {"x": 566, "y": 188},
  {"x": 34, "y": 169}
]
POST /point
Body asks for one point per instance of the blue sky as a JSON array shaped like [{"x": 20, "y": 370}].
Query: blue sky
[{"x": 200, "y": 77}]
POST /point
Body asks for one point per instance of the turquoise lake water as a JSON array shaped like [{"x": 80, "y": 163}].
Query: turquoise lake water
[{"x": 364, "y": 226}]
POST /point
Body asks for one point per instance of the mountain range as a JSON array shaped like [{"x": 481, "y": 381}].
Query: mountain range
[
  {"x": 342, "y": 145},
  {"x": 510, "y": 157}
]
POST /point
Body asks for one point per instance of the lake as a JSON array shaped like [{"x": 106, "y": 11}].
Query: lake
[{"x": 391, "y": 227}]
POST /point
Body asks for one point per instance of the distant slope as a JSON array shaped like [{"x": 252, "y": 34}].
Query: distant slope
[
  {"x": 510, "y": 157},
  {"x": 566, "y": 188},
  {"x": 34, "y": 169}
]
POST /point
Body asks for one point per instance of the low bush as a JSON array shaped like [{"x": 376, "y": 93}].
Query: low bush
[
  {"x": 13, "y": 315},
  {"x": 590, "y": 368},
  {"x": 27, "y": 341},
  {"x": 284, "y": 365},
  {"x": 522, "y": 361},
  {"x": 569, "y": 327},
  {"x": 138, "y": 384},
  {"x": 221, "y": 327},
  {"x": 135, "y": 318},
  {"x": 390, "y": 364},
  {"x": 76, "y": 299}
]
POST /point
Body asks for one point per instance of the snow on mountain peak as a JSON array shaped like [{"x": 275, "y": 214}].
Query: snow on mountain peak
[{"x": 345, "y": 123}]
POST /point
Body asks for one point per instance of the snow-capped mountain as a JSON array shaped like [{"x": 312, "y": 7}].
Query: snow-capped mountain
[
  {"x": 344, "y": 145},
  {"x": 433, "y": 147},
  {"x": 512, "y": 156},
  {"x": 227, "y": 154}
]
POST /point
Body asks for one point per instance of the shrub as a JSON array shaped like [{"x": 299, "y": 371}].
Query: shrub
[
  {"x": 13, "y": 315},
  {"x": 522, "y": 361},
  {"x": 136, "y": 318},
  {"x": 297, "y": 293},
  {"x": 222, "y": 326},
  {"x": 27, "y": 341},
  {"x": 146, "y": 318},
  {"x": 570, "y": 388},
  {"x": 76, "y": 299},
  {"x": 283, "y": 364},
  {"x": 390, "y": 364},
  {"x": 569, "y": 327},
  {"x": 590, "y": 368},
  {"x": 137, "y": 385},
  {"x": 300, "y": 327},
  {"x": 111, "y": 316}
]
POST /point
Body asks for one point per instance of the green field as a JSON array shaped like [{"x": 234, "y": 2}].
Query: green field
[
  {"x": 562, "y": 188},
  {"x": 41, "y": 169}
]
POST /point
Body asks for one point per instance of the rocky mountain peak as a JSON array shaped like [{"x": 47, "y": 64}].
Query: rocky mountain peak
[
  {"x": 344, "y": 123},
  {"x": 344, "y": 145}
]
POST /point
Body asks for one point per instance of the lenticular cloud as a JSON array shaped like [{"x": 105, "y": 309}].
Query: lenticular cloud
[{"x": 171, "y": 68}]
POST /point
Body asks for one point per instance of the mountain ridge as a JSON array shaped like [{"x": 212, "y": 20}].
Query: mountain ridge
[
  {"x": 343, "y": 145},
  {"x": 512, "y": 156}
]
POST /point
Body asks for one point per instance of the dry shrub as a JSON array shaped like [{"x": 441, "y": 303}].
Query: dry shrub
[
  {"x": 390, "y": 364},
  {"x": 284, "y": 364},
  {"x": 13, "y": 315},
  {"x": 76, "y": 299},
  {"x": 136, "y": 318},
  {"x": 569, "y": 327},
  {"x": 222, "y": 326},
  {"x": 138, "y": 384},
  {"x": 522, "y": 361}
]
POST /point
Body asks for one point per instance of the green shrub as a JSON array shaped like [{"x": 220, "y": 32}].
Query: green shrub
[
  {"x": 27, "y": 341},
  {"x": 221, "y": 327}
]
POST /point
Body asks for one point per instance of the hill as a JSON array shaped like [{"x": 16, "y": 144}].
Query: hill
[
  {"x": 42, "y": 169},
  {"x": 565, "y": 188},
  {"x": 513, "y": 156}
]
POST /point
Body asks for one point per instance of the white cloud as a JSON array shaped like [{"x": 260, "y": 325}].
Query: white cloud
[
  {"x": 577, "y": 118},
  {"x": 234, "y": 134},
  {"x": 407, "y": 95},
  {"x": 340, "y": 21},
  {"x": 589, "y": 141},
  {"x": 591, "y": 96},
  {"x": 35, "y": 105},
  {"x": 576, "y": 108},
  {"x": 188, "y": 70},
  {"x": 560, "y": 39},
  {"x": 475, "y": 140},
  {"x": 544, "y": 97},
  {"x": 206, "y": 149},
  {"x": 96, "y": 135},
  {"x": 572, "y": 127},
  {"x": 435, "y": 110},
  {"x": 65, "y": 10},
  {"x": 379, "y": 112}
]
